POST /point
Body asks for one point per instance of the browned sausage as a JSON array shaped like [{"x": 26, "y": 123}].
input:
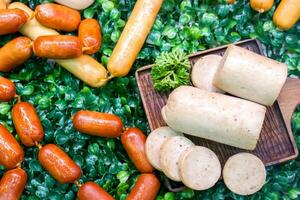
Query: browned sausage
[
  {"x": 133, "y": 141},
  {"x": 11, "y": 153},
  {"x": 92, "y": 191},
  {"x": 27, "y": 124},
  {"x": 89, "y": 33},
  {"x": 58, "y": 17},
  {"x": 146, "y": 188},
  {"x": 98, "y": 124},
  {"x": 15, "y": 53},
  {"x": 11, "y": 20},
  {"x": 59, "y": 164},
  {"x": 12, "y": 184},
  {"x": 7, "y": 89},
  {"x": 57, "y": 47}
]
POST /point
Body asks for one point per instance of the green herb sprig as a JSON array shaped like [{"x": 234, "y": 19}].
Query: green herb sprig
[{"x": 171, "y": 70}]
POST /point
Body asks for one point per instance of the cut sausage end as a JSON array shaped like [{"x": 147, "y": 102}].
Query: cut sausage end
[{"x": 244, "y": 174}]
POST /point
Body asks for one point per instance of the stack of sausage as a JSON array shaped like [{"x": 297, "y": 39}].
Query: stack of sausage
[
  {"x": 42, "y": 25},
  {"x": 56, "y": 161}
]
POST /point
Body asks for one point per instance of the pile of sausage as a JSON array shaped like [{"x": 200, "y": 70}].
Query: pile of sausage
[
  {"x": 40, "y": 28},
  {"x": 55, "y": 16},
  {"x": 56, "y": 161}
]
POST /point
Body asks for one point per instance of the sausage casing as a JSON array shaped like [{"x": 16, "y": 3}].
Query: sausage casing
[
  {"x": 133, "y": 141},
  {"x": 15, "y": 53},
  {"x": 98, "y": 124},
  {"x": 11, "y": 153},
  {"x": 58, "y": 17},
  {"x": 146, "y": 188},
  {"x": 92, "y": 191},
  {"x": 57, "y": 47},
  {"x": 11, "y": 20},
  {"x": 89, "y": 33},
  {"x": 7, "y": 89},
  {"x": 59, "y": 164},
  {"x": 12, "y": 184},
  {"x": 27, "y": 124}
]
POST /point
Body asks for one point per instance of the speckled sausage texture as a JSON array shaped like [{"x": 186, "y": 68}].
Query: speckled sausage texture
[
  {"x": 221, "y": 118},
  {"x": 250, "y": 76}
]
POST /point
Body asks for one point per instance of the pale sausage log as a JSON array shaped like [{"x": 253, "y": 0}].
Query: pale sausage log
[
  {"x": 221, "y": 118},
  {"x": 250, "y": 76}
]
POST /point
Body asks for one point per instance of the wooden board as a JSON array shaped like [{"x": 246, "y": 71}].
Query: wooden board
[{"x": 276, "y": 143}]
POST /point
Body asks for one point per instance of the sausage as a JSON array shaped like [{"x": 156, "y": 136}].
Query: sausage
[
  {"x": 203, "y": 72},
  {"x": 58, "y": 17},
  {"x": 57, "y": 47},
  {"x": 250, "y": 76},
  {"x": 98, "y": 124},
  {"x": 7, "y": 89},
  {"x": 244, "y": 174},
  {"x": 11, "y": 20},
  {"x": 154, "y": 142},
  {"x": 59, "y": 164},
  {"x": 170, "y": 153},
  {"x": 287, "y": 14},
  {"x": 89, "y": 33},
  {"x": 213, "y": 116},
  {"x": 15, "y": 53},
  {"x": 12, "y": 184},
  {"x": 11, "y": 153},
  {"x": 146, "y": 188},
  {"x": 199, "y": 168},
  {"x": 92, "y": 191},
  {"x": 84, "y": 67},
  {"x": 27, "y": 124},
  {"x": 133, "y": 141},
  {"x": 133, "y": 37},
  {"x": 261, "y": 5}
]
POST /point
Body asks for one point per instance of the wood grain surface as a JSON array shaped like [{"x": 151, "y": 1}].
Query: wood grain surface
[{"x": 276, "y": 143}]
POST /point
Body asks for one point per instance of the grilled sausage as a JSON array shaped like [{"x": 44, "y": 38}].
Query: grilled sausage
[
  {"x": 59, "y": 164},
  {"x": 133, "y": 141},
  {"x": 11, "y": 153},
  {"x": 92, "y": 191},
  {"x": 89, "y": 33},
  {"x": 12, "y": 184},
  {"x": 84, "y": 67},
  {"x": 27, "y": 124},
  {"x": 146, "y": 188},
  {"x": 98, "y": 124},
  {"x": 133, "y": 37},
  {"x": 7, "y": 89},
  {"x": 11, "y": 20},
  {"x": 58, "y": 17},
  {"x": 57, "y": 47},
  {"x": 15, "y": 53}
]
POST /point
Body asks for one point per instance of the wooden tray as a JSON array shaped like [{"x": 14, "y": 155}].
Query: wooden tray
[{"x": 276, "y": 143}]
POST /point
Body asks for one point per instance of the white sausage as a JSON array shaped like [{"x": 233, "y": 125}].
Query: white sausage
[
  {"x": 170, "y": 153},
  {"x": 76, "y": 4},
  {"x": 244, "y": 174},
  {"x": 248, "y": 75},
  {"x": 199, "y": 168},
  {"x": 154, "y": 142},
  {"x": 214, "y": 116}
]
